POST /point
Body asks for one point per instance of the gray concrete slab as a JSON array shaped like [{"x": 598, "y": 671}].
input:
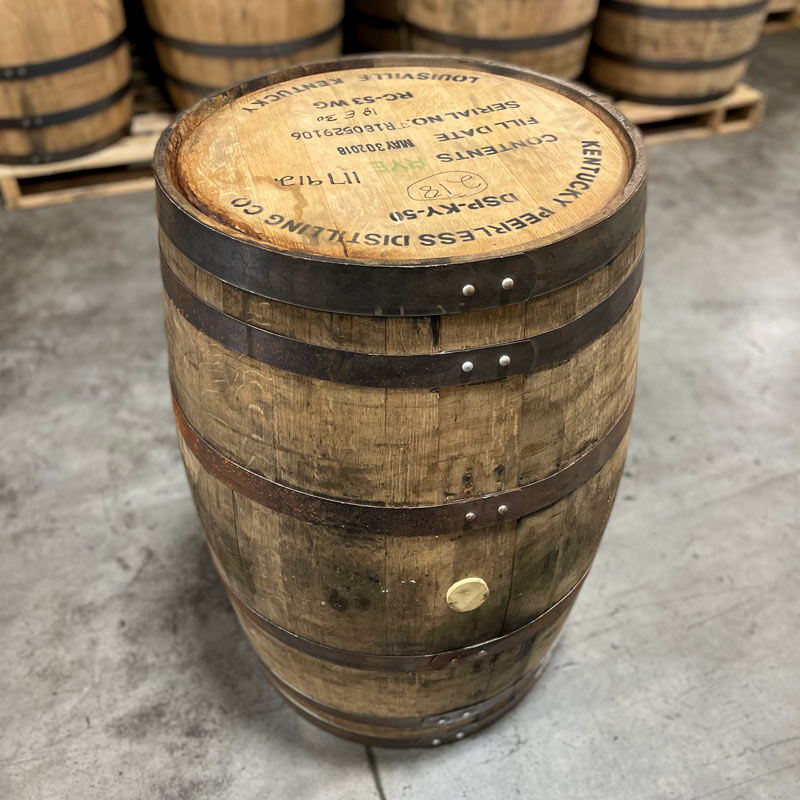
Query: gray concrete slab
[{"x": 123, "y": 673}]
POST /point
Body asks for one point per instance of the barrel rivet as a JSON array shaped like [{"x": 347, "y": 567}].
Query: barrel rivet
[
  {"x": 39, "y": 121},
  {"x": 467, "y": 366},
  {"x": 454, "y": 661},
  {"x": 460, "y": 735},
  {"x": 468, "y": 290},
  {"x": 502, "y": 509},
  {"x": 465, "y": 715},
  {"x": 508, "y": 283},
  {"x": 26, "y": 123},
  {"x": 470, "y": 516},
  {"x": 436, "y": 742},
  {"x": 8, "y": 72},
  {"x": 505, "y": 361},
  {"x": 442, "y": 722}
]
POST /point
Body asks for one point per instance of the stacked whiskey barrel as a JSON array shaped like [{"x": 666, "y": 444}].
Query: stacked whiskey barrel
[
  {"x": 551, "y": 36},
  {"x": 402, "y": 332},
  {"x": 64, "y": 78},
  {"x": 673, "y": 52},
  {"x": 206, "y": 45}
]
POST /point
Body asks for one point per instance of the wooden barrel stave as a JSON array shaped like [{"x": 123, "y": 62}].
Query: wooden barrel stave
[
  {"x": 674, "y": 59},
  {"x": 351, "y": 613},
  {"x": 400, "y": 694},
  {"x": 343, "y": 605},
  {"x": 449, "y": 724},
  {"x": 361, "y": 441},
  {"x": 225, "y": 36},
  {"x": 551, "y": 36},
  {"x": 64, "y": 80},
  {"x": 566, "y": 396}
]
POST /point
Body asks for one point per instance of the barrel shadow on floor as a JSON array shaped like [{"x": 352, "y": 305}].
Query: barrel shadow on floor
[
  {"x": 230, "y": 670},
  {"x": 226, "y": 670}
]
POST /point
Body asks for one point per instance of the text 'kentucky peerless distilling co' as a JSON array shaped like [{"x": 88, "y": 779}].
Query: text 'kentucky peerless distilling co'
[{"x": 402, "y": 306}]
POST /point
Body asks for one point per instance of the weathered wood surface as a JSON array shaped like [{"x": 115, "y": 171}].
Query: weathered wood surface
[
  {"x": 676, "y": 58},
  {"x": 36, "y": 32},
  {"x": 370, "y": 591}
]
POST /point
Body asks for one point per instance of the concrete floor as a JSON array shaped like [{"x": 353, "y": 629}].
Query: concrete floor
[{"x": 123, "y": 673}]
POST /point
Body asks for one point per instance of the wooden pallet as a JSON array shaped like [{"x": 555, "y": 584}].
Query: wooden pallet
[
  {"x": 123, "y": 167},
  {"x": 741, "y": 110}
]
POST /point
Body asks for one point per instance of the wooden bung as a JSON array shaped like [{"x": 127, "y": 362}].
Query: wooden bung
[
  {"x": 64, "y": 79},
  {"x": 402, "y": 307},
  {"x": 467, "y": 594},
  {"x": 206, "y": 45},
  {"x": 551, "y": 36},
  {"x": 673, "y": 52}
]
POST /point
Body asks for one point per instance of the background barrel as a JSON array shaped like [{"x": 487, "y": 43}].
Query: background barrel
[
  {"x": 551, "y": 36},
  {"x": 403, "y": 357},
  {"x": 206, "y": 45},
  {"x": 64, "y": 78},
  {"x": 673, "y": 51}
]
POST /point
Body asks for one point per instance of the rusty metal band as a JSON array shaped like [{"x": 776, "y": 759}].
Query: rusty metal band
[
  {"x": 35, "y": 121},
  {"x": 456, "y": 724},
  {"x": 428, "y": 740},
  {"x": 409, "y": 663},
  {"x": 428, "y": 520},
  {"x": 417, "y": 287},
  {"x": 46, "y": 157},
  {"x": 658, "y": 100},
  {"x": 445, "y": 719},
  {"x": 264, "y": 50},
  {"x": 677, "y": 66},
  {"x": 684, "y": 14},
  {"x": 402, "y": 371},
  {"x": 352, "y": 288},
  {"x": 27, "y": 71},
  {"x": 505, "y": 44}
]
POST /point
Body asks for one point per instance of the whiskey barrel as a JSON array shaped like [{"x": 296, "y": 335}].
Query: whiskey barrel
[
  {"x": 64, "y": 79},
  {"x": 551, "y": 36},
  {"x": 402, "y": 303},
  {"x": 375, "y": 25},
  {"x": 673, "y": 52},
  {"x": 205, "y": 45}
]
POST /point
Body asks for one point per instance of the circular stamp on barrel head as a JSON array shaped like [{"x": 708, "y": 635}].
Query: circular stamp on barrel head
[{"x": 401, "y": 161}]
